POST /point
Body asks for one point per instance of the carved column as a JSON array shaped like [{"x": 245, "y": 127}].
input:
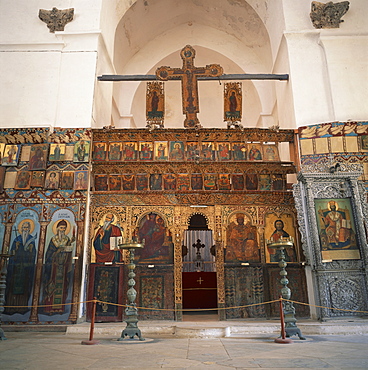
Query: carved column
[
  {"x": 220, "y": 268},
  {"x": 178, "y": 285},
  {"x": 360, "y": 198},
  {"x": 38, "y": 275}
]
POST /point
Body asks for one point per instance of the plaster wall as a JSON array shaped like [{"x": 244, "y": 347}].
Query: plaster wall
[
  {"x": 309, "y": 78},
  {"x": 347, "y": 74},
  {"x": 48, "y": 77},
  {"x": 285, "y": 116},
  {"x": 327, "y": 65},
  {"x": 21, "y": 102}
]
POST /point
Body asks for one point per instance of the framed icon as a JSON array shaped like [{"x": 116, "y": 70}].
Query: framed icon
[
  {"x": 10, "y": 155},
  {"x": 52, "y": 180},
  {"x": 67, "y": 180},
  {"x": 23, "y": 180},
  {"x": 81, "y": 151},
  {"x": 101, "y": 182},
  {"x": 57, "y": 152},
  {"x": 38, "y": 157},
  {"x": 81, "y": 180},
  {"x": 37, "y": 179}
]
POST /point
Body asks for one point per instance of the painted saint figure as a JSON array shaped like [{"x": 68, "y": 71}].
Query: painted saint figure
[
  {"x": 81, "y": 180},
  {"x": 278, "y": 233},
  {"x": 270, "y": 154},
  {"x": 101, "y": 241},
  {"x": 23, "y": 180},
  {"x": 81, "y": 151},
  {"x": 255, "y": 154},
  {"x": 233, "y": 102},
  {"x": 57, "y": 269},
  {"x": 37, "y": 161},
  {"x": 338, "y": 234},
  {"x": 57, "y": 153},
  {"x": 177, "y": 152},
  {"x": 10, "y": 155},
  {"x": 115, "y": 153},
  {"x": 242, "y": 241},
  {"x": 130, "y": 152},
  {"x": 21, "y": 268},
  {"x": 52, "y": 181},
  {"x": 154, "y": 102},
  {"x": 161, "y": 152},
  {"x": 153, "y": 231}
]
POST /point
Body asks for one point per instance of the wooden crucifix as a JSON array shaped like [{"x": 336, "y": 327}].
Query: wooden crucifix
[{"x": 188, "y": 75}]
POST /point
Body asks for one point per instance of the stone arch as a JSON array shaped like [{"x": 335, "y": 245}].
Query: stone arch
[{"x": 240, "y": 26}]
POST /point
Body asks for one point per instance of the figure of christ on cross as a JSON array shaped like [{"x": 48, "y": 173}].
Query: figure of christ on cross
[{"x": 188, "y": 75}]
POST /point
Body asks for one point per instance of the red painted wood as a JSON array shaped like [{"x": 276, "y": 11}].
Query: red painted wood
[{"x": 199, "y": 290}]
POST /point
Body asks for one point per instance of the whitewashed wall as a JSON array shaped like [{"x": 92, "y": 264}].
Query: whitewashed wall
[{"x": 50, "y": 79}]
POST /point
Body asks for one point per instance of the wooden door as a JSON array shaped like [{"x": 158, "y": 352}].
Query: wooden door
[{"x": 199, "y": 290}]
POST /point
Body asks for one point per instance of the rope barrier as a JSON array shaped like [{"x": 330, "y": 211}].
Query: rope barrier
[
  {"x": 191, "y": 310},
  {"x": 329, "y": 308},
  {"x": 282, "y": 340}
]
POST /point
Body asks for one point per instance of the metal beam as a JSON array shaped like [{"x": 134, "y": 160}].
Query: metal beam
[{"x": 246, "y": 76}]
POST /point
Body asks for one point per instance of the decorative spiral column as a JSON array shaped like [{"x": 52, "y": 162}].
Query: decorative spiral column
[
  {"x": 131, "y": 310},
  {"x": 288, "y": 307}
]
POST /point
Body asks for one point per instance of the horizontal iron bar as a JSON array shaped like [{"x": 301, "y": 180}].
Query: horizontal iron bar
[{"x": 245, "y": 76}]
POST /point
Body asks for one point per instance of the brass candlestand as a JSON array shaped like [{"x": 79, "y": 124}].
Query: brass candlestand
[
  {"x": 289, "y": 311},
  {"x": 3, "y": 265},
  {"x": 131, "y": 310}
]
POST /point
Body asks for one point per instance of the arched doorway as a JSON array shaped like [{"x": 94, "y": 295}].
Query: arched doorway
[{"x": 199, "y": 271}]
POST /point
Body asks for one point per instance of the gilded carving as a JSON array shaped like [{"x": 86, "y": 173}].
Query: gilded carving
[
  {"x": 180, "y": 152},
  {"x": 248, "y": 134},
  {"x": 190, "y": 167}
]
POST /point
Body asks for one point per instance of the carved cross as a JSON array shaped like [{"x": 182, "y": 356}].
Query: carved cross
[
  {"x": 188, "y": 75},
  {"x": 198, "y": 246}
]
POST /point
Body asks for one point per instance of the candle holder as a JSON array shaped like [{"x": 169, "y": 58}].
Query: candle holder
[
  {"x": 4, "y": 265},
  {"x": 289, "y": 311},
  {"x": 131, "y": 310}
]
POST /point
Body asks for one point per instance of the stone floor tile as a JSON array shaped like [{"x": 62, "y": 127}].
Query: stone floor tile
[{"x": 292, "y": 363}]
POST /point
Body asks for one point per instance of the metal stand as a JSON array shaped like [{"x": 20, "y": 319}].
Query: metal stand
[
  {"x": 289, "y": 310},
  {"x": 131, "y": 311}
]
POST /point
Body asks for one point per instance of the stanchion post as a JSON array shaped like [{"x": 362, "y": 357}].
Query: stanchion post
[
  {"x": 92, "y": 327},
  {"x": 283, "y": 339},
  {"x": 283, "y": 336}
]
